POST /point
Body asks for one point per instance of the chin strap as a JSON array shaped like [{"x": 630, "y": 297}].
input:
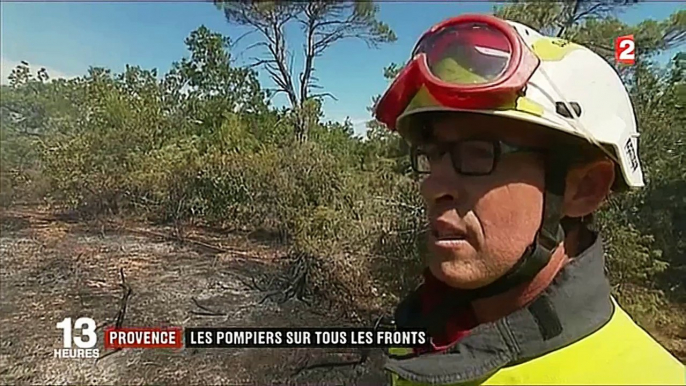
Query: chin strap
[
  {"x": 548, "y": 237},
  {"x": 536, "y": 256}
]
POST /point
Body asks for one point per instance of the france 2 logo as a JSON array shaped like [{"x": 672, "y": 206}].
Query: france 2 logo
[
  {"x": 85, "y": 341},
  {"x": 624, "y": 49}
]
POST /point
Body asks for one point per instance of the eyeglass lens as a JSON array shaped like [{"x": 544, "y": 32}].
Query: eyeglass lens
[{"x": 473, "y": 157}]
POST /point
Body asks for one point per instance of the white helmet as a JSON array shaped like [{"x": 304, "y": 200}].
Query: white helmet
[{"x": 570, "y": 78}]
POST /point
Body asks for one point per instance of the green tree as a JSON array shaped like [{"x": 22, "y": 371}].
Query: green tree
[
  {"x": 384, "y": 148},
  {"x": 32, "y": 109},
  {"x": 554, "y": 18},
  {"x": 595, "y": 24},
  {"x": 209, "y": 87}
]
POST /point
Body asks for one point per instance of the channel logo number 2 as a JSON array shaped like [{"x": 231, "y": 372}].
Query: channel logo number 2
[{"x": 625, "y": 49}]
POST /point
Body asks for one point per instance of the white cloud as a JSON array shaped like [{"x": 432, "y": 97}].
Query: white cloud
[
  {"x": 360, "y": 126},
  {"x": 6, "y": 67}
]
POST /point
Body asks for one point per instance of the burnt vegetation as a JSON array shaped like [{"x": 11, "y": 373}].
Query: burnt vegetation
[{"x": 201, "y": 147}]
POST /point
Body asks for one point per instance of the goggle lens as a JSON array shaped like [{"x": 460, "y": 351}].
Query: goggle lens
[{"x": 466, "y": 53}]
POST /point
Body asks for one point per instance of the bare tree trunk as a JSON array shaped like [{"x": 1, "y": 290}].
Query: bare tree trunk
[
  {"x": 301, "y": 123},
  {"x": 571, "y": 17},
  {"x": 324, "y": 23}
]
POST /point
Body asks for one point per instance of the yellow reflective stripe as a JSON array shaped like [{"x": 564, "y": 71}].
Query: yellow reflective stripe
[
  {"x": 422, "y": 99},
  {"x": 553, "y": 49},
  {"x": 399, "y": 351},
  {"x": 395, "y": 380},
  {"x": 527, "y": 105}
]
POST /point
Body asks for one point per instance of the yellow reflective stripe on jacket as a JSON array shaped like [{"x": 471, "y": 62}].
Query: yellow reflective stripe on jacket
[
  {"x": 399, "y": 351},
  {"x": 620, "y": 353}
]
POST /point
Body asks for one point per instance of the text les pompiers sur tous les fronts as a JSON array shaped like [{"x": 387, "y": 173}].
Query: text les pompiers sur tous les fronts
[{"x": 301, "y": 337}]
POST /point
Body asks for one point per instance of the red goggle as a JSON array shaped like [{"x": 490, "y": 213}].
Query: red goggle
[{"x": 467, "y": 62}]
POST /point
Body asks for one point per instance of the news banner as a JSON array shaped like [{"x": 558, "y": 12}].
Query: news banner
[{"x": 82, "y": 334}]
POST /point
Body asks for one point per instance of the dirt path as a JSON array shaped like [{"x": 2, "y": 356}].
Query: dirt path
[{"x": 55, "y": 269}]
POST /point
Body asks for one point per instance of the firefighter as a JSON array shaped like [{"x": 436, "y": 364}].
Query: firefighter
[{"x": 519, "y": 139}]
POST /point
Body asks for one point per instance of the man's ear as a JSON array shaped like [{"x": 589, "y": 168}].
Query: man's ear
[{"x": 587, "y": 187}]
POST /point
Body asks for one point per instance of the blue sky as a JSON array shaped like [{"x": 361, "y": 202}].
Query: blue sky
[{"x": 68, "y": 37}]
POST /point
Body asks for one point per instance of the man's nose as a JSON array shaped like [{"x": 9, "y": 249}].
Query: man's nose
[{"x": 442, "y": 184}]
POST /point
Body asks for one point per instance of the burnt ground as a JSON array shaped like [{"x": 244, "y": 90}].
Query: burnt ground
[{"x": 54, "y": 268}]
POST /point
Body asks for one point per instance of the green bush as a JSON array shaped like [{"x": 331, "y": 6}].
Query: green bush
[{"x": 183, "y": 148}]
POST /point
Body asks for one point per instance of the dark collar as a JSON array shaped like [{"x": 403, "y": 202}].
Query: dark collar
[{"x": 576, "y": 304}]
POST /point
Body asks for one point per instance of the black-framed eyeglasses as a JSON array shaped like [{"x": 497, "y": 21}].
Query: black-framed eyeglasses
[{"x": 470, "y": 157}]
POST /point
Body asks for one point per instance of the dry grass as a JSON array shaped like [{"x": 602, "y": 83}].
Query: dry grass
[{"x": 56, "y": 269}]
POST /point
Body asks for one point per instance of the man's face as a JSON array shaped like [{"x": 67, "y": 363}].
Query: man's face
[{"x": 481, "y": 225}]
